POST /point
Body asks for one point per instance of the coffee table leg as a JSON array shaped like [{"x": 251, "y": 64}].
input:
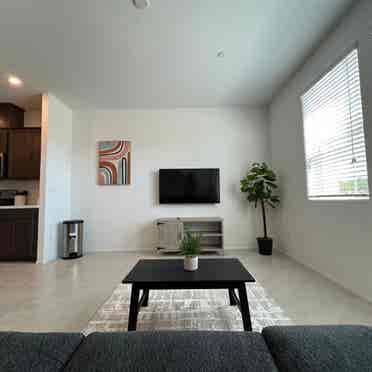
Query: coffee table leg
[
  {"x": 231, "y": 296},
  {"x": 145, "y": 297},
  {"x": 133, "y": 308},
  {"x": 244, "y": 307}
]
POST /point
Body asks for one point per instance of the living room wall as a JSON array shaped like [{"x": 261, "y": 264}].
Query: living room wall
[
  {"x": 121, "y": 218},
  {"x": 333, "y": 237},
  {"x": 55, "y": 177}
]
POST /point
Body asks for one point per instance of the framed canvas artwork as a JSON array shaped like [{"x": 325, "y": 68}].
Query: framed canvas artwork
[{"x": 114, "y": 162}]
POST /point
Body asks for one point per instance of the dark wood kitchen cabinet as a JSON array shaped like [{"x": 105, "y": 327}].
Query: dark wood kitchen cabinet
[
  {"x": 3, "y": 141},
  {"x": 18, "y": 234},
  {"x": 24, "y": 153},
  {"x": 11, "y": 116}
]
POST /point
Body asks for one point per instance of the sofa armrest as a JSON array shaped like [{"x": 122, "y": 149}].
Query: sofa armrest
[
  {"x": 44, "y": 352},
  {"x": 340, "y": 348}
]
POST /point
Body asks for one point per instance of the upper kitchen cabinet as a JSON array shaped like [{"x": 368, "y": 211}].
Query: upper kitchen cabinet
[
  {"x": 24, "y": 153},
  {"x": 11, "y": 116}
]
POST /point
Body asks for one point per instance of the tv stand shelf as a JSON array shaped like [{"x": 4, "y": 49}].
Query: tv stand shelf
[{"x": 172, "y": 230}]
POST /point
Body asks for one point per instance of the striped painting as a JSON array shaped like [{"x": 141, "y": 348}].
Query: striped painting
[{"x": 114, "y": 162}]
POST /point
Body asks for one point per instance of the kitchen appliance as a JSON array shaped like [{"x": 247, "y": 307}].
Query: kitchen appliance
[
  {"x": 20, "y": 198},
  {"x": 72, "y": 245},
  {"x": 7, "y": 197},
  {"x": 3, "y": 165}
]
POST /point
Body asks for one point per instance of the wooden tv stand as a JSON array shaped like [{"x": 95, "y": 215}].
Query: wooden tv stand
[{"x": 172, "y": 230}]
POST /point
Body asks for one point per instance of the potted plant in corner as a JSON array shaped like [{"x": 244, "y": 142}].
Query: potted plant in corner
[
  {"x": 259, "y": 186},
  {"x": 190, "y": 249}
]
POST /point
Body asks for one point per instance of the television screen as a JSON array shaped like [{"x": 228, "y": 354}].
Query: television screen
[{"x": 189, "y": 186}]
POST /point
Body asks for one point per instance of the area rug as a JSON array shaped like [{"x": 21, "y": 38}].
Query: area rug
[{"x": 187, "y": 309}]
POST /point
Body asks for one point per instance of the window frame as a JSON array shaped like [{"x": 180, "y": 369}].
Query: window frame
[{"x": 337, "y": 198}]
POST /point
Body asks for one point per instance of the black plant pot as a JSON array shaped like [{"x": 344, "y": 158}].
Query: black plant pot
[{"x": 265, "y": 246}]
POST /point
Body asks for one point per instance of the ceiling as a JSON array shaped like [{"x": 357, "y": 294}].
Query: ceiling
[{"x": 108, "y": 54}]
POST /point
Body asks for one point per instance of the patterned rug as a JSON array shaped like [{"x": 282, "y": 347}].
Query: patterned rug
[{"x": 187, "y": 309}]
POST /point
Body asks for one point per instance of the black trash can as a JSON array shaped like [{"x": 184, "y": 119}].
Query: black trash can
[{"x": 72, "y": 245}]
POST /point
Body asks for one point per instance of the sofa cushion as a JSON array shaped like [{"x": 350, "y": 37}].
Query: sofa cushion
[
  {"x": 173, "y": 351},
  {"x": 321, "y": 348},
  {"x": 36, "y": 351}
]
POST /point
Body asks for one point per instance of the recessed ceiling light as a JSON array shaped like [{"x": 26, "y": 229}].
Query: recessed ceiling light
[
  {"x": 141, "y": 4},
  {"x": 15, "y": 81},
  {"x": 220, "y": 54}
]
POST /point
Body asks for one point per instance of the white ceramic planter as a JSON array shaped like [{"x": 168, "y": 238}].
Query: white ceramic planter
[{"x": 190, "y": 263}]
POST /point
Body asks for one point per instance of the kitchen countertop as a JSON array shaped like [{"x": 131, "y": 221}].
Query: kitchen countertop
[{"x": 18, "y": 206}]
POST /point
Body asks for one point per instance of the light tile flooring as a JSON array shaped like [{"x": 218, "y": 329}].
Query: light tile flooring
[{"x": 64, "y": 295}]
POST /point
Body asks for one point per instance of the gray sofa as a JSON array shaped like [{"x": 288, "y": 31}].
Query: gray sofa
[{"x": 293, "y": 348}]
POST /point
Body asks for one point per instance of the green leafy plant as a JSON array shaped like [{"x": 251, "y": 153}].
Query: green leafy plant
[
  {"x": 190, "y": 244},
  {"x": 260, "y": 185}
]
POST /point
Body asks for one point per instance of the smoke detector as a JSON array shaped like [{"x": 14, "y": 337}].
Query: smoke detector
[{"x": 141, "y": 4}]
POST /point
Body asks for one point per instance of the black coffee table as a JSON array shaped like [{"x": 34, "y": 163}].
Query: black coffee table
[{"x": 215, "y": 273}]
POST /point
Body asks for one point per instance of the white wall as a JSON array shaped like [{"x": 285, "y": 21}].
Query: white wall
[
  {"x": 121, "y": 218},
  {"x": 333, "y": 237},
  {"x": 55, "y": 178}
]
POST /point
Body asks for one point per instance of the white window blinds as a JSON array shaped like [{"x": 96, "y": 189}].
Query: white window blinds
[{"x": 335, "y": 152}]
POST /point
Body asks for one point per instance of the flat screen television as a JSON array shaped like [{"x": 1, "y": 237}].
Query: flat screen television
[{"x": 189, "y": 186}]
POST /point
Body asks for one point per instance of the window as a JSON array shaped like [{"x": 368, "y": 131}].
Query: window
[{"x": 335, "y": 150}]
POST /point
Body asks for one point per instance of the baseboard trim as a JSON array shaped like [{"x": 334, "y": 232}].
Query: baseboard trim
[
  {"x": 152, "y": 249},
  {"x": 240, "y": 248},
  {"x": 136, "y": 250}
]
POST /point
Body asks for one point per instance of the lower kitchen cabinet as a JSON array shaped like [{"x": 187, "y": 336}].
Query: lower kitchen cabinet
[{"x": 18, "y": 234}]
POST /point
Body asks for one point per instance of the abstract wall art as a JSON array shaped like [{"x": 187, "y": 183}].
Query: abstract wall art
[{"x": 114, "y": 159}]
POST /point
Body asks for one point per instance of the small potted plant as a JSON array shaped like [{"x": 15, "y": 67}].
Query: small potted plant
[
  {"x": 190, "y": 249},
  {"x": 259, "y": 185}
]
